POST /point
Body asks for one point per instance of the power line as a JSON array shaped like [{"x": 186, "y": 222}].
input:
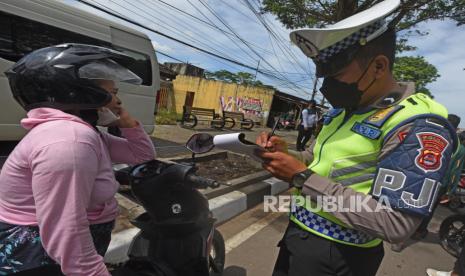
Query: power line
[
  {"x": 189, "y": 25},
  {"x": 243, "y": 41},
  {"x": 166, "y": 55},
  {"x": 108, "y": 10},
  {"x": 176, "y": 30},
  {"x": 235, "y": 43},
  {"x": 168, "y": 36},
  {"x": 262, "y": 20},
  {"x": 210, "y": 23},
  {"x": 276, "y": 35}
]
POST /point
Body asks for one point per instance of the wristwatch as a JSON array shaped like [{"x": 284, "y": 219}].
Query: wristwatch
[{"x": 299, "y": 178}]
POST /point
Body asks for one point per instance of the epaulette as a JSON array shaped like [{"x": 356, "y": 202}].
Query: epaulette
[{"x": 381, "y": 116}]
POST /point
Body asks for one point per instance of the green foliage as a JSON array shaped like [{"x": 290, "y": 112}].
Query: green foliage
[
  {"x": 243, "y": 78},
  {"x": 315, "y": 13},
  {"x": 415, "y": 69},
  {"x": 166, "y": 117},
  {"x": 402, "y": 45},
  {"x": 222, "y": 75}
]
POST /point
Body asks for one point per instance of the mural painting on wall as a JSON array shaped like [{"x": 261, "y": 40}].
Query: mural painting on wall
[
  {"x": 250, "y": 106},
  {"x": 227, "y": 105},
  {"x": 246, "y": 105}
]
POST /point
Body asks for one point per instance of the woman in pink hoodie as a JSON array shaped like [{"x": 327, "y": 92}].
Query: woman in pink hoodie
[{"x": 57, "y": 187}]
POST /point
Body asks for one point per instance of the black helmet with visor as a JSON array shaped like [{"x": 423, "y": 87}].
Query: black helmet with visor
[{"x": 63, "y": 76}]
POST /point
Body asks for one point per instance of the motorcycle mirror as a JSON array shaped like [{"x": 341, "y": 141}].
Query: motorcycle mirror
[{"x": 200, "y": 143}]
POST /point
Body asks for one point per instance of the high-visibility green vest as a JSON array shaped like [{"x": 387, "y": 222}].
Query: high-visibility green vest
[{"x": 346, "y": 151}]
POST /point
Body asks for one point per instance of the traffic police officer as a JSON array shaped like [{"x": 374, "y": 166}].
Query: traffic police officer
[{"x": 378, "y": 146}]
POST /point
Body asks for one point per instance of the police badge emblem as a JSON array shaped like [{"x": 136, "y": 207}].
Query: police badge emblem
[{"x": 429, "y": 158}]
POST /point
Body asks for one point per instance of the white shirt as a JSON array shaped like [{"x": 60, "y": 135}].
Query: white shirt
[{"x": 309, "y": 119}]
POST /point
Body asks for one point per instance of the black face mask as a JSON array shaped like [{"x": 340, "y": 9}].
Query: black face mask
[{"x": 343, "y": 95}]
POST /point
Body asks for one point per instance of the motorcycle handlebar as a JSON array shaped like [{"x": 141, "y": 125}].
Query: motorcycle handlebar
[{"x": 202, "y": 182}]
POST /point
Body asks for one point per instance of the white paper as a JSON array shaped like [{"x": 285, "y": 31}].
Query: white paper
[{"x": 236, "y": 142}]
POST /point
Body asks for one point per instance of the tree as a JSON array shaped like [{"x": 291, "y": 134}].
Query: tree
[
  {"x": 415, "y": 69},
  {"x": 316, "y": 13},
  {"x": 222, "y": 75},
  {"x": 245, "y": 78}
]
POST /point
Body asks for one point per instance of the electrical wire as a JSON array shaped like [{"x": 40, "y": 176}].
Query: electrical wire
[
  {"x": 266, "y": 74},
  {"x": 245, "y": 43}
]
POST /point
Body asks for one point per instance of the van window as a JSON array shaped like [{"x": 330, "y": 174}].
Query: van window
[
  {"x": 19, "y": 36},
  {"x": 141, "y": 67}
]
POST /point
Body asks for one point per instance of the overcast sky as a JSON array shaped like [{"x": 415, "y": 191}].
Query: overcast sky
[{"x": 443, "y": 47}]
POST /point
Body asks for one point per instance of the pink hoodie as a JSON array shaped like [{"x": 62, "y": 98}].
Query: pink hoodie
[{"x": 60, "y": 178}]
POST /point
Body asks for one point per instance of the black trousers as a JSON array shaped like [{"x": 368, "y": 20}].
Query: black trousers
[
  {"x": 305, "y": 254},
  {"x": 459, "y": 266},
  {"x": 302, "y": 137}
]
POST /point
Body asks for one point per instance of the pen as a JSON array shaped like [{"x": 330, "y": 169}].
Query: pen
[{"x": 272, "y": 131}]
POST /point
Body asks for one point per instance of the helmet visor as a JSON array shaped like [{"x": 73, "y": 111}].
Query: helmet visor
[{"x": 108, "y": 69}]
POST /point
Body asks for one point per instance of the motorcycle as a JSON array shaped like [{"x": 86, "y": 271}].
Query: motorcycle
[
  {"x": 177, "y": 236},
  {"x": 452, "y": 234},
  {"x": 452, "y": 229}
]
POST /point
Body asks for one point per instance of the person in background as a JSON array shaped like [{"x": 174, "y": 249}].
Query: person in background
[
  {"x": 57, "y": 187},
  {"x": 307, "y": 126}
]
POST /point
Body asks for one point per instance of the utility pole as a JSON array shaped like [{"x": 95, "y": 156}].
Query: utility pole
[
  {"x": 255, "y": 77},
  {"x": 315, "y": 82}
]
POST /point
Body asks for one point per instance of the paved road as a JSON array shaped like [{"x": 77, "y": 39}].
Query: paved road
[{"x": 251, "y": 240}]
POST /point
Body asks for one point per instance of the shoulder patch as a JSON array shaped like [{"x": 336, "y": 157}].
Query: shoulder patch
[
  {"x": 430, "y": 155},
  {"x": 366, "y": 130},
  {"x": 380, "y": 117}
]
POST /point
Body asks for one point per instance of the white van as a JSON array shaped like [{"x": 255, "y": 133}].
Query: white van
[{"x": 29, "y": 25}]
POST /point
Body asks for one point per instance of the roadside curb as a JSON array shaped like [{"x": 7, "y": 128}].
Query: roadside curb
[{"x": 224, "y": 207}]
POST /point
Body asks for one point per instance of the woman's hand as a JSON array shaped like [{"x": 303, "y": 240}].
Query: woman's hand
[{"x": 125, "y": 119}]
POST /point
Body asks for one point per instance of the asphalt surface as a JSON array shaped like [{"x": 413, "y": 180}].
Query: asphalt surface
[
  {"x": 167, "y": 149},
  {"x": 258, "y": 234}
]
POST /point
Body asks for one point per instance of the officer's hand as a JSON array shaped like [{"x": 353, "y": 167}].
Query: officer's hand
[
  {"x": 274, "y": 143},
  {"x": 281, "y": 165},
  {"x": 125, "y": 120},
  {"x": 305, "y": 128}
]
